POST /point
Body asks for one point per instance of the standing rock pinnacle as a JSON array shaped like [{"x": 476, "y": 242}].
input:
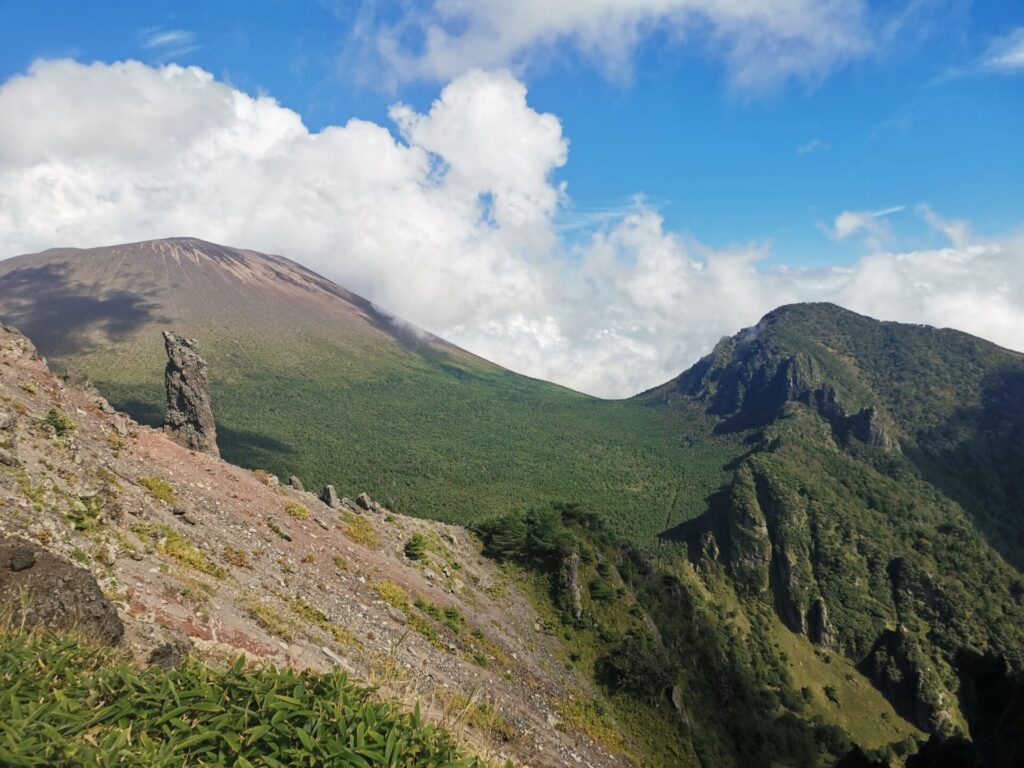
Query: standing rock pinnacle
[{"x": 189, "y": 419}]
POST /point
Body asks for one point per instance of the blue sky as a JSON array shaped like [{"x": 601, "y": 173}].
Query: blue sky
[
  {"x": 911, "y": 123},
  {"x": 584, "y": 190}
]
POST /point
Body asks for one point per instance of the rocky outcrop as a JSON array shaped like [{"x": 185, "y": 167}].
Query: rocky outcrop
[
  {"x": 329, "y": 496},
  {"x": 14, "y": 345},
  {"x": 569, "y": 577},
  {"x": 901, "y": 671},
  {"x": 867, "y": 426},
  {"x": 789, "y": 591},
  {"x": 77, "y": 378},
  {"x": 189, "y": 419},
  {"x": 8, "y": 451},
  {"x": 708, "y": 550},
  {"x": 819, "y": 629},
  {"x": 296, "y": 483},
  {"x": 750, "y": 548},
  {"x": 39, "y": 589}
]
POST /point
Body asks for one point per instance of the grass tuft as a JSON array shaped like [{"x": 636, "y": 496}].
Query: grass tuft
[{"x": 159, "y": 488}]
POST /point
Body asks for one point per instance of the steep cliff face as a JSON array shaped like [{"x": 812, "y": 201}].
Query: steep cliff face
[
  {"x": 750, "y": 546},
  {"x": 835, "y": 506}
]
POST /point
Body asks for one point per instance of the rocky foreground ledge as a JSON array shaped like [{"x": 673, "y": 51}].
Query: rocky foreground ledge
[{"x": 165, "y": 551}]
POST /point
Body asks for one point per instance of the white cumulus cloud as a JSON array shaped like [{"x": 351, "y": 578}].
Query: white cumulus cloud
[
  {"x": 871, "y": 223},
  {"x": 449, "y": 219}
]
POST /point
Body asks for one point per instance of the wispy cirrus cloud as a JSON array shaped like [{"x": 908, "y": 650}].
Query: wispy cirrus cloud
[
  {"x": 812, "y": 146},
  {"x": 760, "y": 44},
  {"x": 168, "y": 44},
  {"x": 1005, "y": 54}
]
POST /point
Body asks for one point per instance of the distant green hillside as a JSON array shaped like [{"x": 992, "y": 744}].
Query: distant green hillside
[
  {"x": 459, "y": 442},
  {"x": 955, "y": 403},
  {"x": 848, "y": 517}
]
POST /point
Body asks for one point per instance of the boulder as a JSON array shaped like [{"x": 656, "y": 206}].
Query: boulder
[
  {"x": 59, "y": 595},
  {"x": 78, "y": 379},
  {"x": 8, "y": 458},
  {"x": 171, "y": 654},
  {"x": 363, "y": 501},
  {"x": 296, "y": 483},
  {"x": 330, "y": 497},
  {"x": 189, "y": 421}
]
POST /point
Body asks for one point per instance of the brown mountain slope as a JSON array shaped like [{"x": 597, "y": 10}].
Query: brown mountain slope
[{"x": 74, "y": 301}]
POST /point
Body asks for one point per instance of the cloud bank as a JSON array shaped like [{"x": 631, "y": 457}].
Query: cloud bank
[{"x": 450, "y": 220}]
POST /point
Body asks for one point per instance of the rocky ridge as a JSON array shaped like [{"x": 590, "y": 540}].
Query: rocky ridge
[{"x": 197, "y": 555}]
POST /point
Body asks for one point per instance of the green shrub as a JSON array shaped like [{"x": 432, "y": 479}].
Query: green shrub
[
  {"x": 453, "y": 619},
  {"x": 601, "y": 591},
  {"x": 59, "y": 421},
  {"x": 416, "y": 547},
  {"x": 639, "y": 666}
]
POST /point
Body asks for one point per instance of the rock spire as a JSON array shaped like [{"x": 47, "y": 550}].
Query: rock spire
[{"x": 189, "y": 419}]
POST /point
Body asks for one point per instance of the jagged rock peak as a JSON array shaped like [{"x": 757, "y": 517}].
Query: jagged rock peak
[{"x": 189, "y": 419}]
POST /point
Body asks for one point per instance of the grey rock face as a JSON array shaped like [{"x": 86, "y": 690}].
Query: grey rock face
[
  {"x": 819, "y": 629},
  {"x": 330, "y": 497},
  {"x": 570, "y": 578},
  {"x": 77, "y": 378},
  {"x": 60, "y": 595},
  {"x": 189, "y": 419},
  {"x": 296, "y": 483},
  {"x": 867, "y": 427},
  {"x": 708, "y": 548},
  {"x": 750, "y": 547}
]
